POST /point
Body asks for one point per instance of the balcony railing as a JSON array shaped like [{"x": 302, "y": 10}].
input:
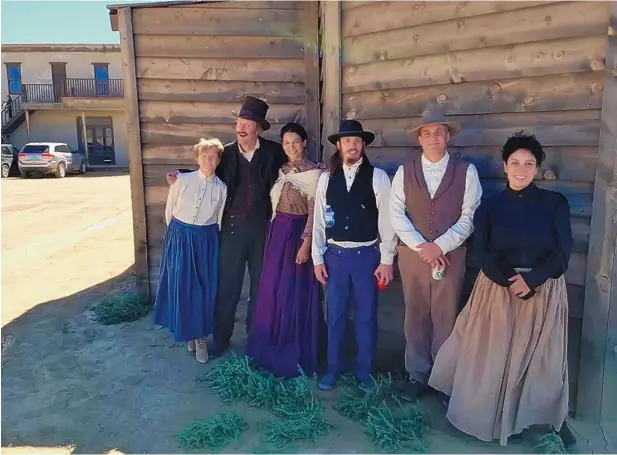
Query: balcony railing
[
  {"x": 73, "y": 87},
  {"x": 39, "y": 93},
  {"x": 11, "y": 111},
  {"x": 94, "y": 88}
]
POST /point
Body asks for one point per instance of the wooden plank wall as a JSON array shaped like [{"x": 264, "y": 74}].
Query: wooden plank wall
[
  {"x": 597, "y": 393},
  {"x": 496, "y": 67},
  {"x": 194, "y": 64}
]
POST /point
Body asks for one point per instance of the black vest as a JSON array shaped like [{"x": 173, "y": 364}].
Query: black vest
[
  {"x": 355, "y": 211},
  {"x": 248, "y": 200}
]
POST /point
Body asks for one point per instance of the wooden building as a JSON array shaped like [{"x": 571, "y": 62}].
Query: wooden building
[{"x": 546, "y": 67}]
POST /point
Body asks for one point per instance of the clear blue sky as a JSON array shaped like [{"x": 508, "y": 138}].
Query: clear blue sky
[{"x": 58, "y": 22}]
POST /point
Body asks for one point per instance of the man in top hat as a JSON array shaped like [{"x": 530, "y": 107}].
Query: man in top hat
[
  {"x": 432, "y": 203},
  {"x": 249, "y": 167},
  {"x": 351, "y": 213}
]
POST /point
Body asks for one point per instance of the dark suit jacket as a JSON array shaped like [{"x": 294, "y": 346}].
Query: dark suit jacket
[{"x": 269, "y": 158}]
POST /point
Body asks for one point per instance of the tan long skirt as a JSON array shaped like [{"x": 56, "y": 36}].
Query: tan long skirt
[{"x": 505, "y": 364}]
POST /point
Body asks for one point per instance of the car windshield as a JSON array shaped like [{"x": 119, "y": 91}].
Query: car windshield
[{"x": 35, "y": 149}]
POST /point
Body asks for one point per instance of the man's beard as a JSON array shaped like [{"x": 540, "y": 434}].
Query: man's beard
[{"x": 349, "y": 161}]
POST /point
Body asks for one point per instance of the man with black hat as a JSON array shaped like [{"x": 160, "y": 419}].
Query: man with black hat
[
  {"x": 432, "y": 203},
  {"x": 351, "y": 214},
  {"x": 249, "y": 167}
]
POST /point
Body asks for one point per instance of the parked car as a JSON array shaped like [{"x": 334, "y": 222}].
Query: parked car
[
  {"x": 9, "y": 160},
  {"x": 50, "y": 158}
]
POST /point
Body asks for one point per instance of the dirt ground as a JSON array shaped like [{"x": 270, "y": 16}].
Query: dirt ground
[{"x": 71, "y": 385}]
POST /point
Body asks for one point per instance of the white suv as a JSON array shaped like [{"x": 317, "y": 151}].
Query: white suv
[{"x": 50, "y": 157}]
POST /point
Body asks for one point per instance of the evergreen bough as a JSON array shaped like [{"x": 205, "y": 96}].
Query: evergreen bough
[
  {"x": 549, "y": 443},
  {"x": 394, "y": 430},
  {"x": 214, "y": 433},
  {"x": 118, "y": 307},
  {"x": 299, "y": 415},
  {"x": 389, "y": 428},
  {"x": 355, "y": 403}
]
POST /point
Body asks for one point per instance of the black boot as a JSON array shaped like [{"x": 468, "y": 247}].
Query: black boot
[
  {"x": 413, "y": 390},
  {"x": 567, "y": 437}
]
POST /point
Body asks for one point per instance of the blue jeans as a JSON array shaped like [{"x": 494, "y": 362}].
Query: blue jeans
[{"x": 351, "y": 270}]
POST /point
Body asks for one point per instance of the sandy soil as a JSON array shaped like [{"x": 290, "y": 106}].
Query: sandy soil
[{"x": 71, "y": 385}]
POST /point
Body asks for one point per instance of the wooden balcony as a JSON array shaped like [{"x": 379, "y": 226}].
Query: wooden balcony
[{"x": 75, "y": 93}]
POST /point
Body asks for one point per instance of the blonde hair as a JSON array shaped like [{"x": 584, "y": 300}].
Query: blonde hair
[{"x": 207, "y": 143}]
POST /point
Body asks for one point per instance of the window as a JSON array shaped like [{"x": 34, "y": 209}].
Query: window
[
  {"x": 101, "y": 78},
  {"x": 99, "y": 139},
  {"x": 6, "y": 151},
  {"x": 35, "y": 149},
  {"x": 62, "y": 149},
  {"x": 13, "y": 73},
  {"x": 101, "y": 71}
]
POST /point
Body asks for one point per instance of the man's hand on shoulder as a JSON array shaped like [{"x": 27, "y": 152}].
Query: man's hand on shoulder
[{"x": 172, "y": 177}]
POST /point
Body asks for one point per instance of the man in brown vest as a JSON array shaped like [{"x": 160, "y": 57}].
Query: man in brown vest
[{"x": 432, "y": 203}]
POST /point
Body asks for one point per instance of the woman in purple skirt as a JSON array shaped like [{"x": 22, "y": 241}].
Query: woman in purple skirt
[{"x": 287, "y": 317}]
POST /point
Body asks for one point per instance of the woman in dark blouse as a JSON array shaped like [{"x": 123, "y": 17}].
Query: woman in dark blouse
[{"x": 511, "y": 337}]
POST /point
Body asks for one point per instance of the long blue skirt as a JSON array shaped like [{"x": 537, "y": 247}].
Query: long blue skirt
[{"x": 187, "y": 280}]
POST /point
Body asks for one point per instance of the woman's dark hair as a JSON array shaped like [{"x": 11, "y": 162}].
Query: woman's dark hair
[
  {"x": 294, "y": 128},
  {"x": 520, "y": 140}
]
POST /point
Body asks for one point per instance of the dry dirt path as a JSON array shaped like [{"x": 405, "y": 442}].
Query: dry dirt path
[{"x": 71, "y": 385}]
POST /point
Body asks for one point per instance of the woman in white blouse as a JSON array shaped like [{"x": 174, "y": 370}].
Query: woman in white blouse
[{"x": 189, "y": 263}]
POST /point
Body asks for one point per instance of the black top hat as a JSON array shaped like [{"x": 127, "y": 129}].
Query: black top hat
[
  {"x": 352, "y": 128},
  {"x": 254, "y": 109}
]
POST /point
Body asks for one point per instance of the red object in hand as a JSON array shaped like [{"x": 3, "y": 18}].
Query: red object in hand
[{"x": 381, "y": 285}]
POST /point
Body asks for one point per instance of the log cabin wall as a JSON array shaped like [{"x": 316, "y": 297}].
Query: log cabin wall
[
  {"x": 496, "y": 67},
  {"x": 194, "y": 63}
]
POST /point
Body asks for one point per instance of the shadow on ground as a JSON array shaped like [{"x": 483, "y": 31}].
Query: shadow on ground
[{"x": 68, "y": 381}]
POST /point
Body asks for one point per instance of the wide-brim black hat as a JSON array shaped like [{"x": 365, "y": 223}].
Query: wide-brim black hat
[
  {"x": 254, "y": 109},
  {"x": 352, "y": 128}
]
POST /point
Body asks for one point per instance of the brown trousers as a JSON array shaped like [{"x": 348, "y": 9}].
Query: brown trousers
[{"x": 431, "y": 307}]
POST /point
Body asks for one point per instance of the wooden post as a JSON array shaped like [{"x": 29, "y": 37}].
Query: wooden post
[
  {"x": 28, "y": 123},
  {"x": 311, "y": 63},
  {"x": 332, "y": 73},
  {"x": 597, "y": 388},
  {"x": 84, "y": 132},
  {"x": 140, "y": 239}
]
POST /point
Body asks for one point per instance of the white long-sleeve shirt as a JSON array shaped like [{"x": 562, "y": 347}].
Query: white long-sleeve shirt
[
  {"x": 433, "y": 174},
  {"x": 196, "y": 199},
  {"x": 381, "y": 187}
]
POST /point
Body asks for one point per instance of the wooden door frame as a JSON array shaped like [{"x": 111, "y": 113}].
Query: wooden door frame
[{"x": 59, "y": 87}]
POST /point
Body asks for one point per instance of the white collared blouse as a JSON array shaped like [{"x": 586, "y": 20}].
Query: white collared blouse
[{"x": 196, "y": 199}]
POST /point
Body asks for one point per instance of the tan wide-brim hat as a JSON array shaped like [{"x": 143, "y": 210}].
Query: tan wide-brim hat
[{"x": 434, "y": 116}]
